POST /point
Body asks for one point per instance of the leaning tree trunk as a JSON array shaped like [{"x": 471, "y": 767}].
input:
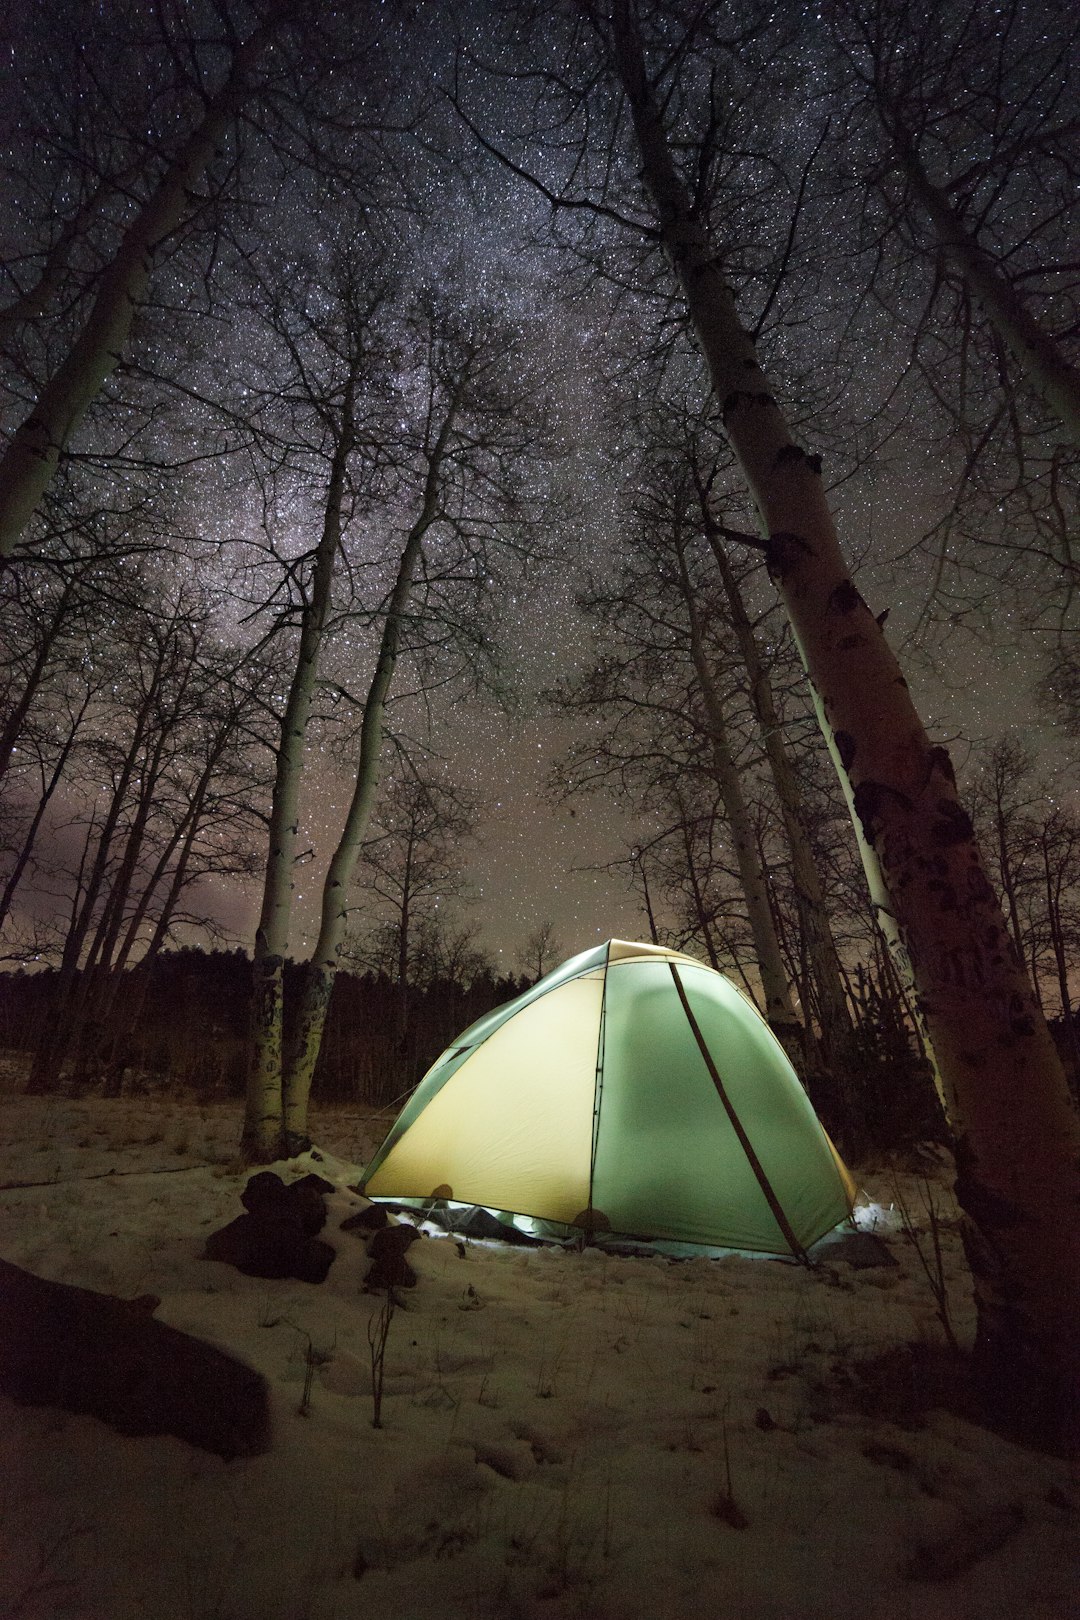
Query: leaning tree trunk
[
  {"x": 881, "y": 902},
  {"x": 183, "y": 838},
  {"x": 262, "y": 1140},
  {"x": 89, "y": 1015},
  {"x": 192, "y": 826},
  {"x": 779, "y": 1008},
  {"x": 54, "y": 1040},
  {"x": 321, "y": 970},
  {"x": 832, "y": 1006},
  {"x": 1017, "y": 1134},
  {"x": 32, "y": 456}
]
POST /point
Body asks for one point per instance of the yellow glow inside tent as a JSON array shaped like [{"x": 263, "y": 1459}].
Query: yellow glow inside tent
[{"x": 514, "y": 1127}]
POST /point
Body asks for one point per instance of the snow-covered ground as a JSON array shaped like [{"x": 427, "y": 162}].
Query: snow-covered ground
[{"x": 564, "y": 1434}]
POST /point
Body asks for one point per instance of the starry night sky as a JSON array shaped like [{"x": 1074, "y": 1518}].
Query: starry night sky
[{"x": 474, "y": 232}]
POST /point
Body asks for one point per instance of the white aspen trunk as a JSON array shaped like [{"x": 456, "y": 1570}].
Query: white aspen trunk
[
  {"x": 779, "y": 1009},
  {"x": 1038, "y": 356},
  {"x": 833, "y": 1012},
  {"x": 1017, "y": 1135},
  {"x": 881, "y": 903},
  {"x": 321, "y": 970},
  {"x": 31, "y": 458},
  {"x": 262, "y": 1139}
]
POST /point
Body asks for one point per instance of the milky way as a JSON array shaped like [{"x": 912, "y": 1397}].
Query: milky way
[{"x": 204, "y": 425}]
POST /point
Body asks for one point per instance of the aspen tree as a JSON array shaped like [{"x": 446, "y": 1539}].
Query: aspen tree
[
  {"x": 34, "y": 450},
  {"x": 1016, "y": 1130}
]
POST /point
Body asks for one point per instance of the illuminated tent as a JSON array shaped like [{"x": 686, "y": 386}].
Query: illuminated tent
[{"x": 633, "y": 1091}]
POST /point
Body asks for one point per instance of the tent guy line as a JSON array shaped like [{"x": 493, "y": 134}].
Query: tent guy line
[{"x": 101, "y": 1175}]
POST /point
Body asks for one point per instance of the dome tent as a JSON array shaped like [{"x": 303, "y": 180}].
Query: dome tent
[{"x": 633, "y": 1090}]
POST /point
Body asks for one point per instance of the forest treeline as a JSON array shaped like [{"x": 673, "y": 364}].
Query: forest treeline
[{"x": 182, "y": 1021}]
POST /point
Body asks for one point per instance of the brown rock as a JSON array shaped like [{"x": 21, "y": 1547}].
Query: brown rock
[{"x": 389, "y": 1268}]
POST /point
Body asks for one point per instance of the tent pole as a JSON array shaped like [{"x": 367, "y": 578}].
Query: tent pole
[
  {"x": 598, "y": 1083},
  {"x": 736, "y": 1124}
]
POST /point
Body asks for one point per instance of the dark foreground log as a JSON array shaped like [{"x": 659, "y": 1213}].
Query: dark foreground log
[{"x": 93, "y": 1353}]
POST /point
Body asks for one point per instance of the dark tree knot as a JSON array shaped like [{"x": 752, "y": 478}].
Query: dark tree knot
[
  {"x": 944, "y": 893},
  {"x": 940, "y": 761},
  {"x": 844, "y": 598},
  {"x": 981, "y": 893},
  {"x": 870, "y": 798},
  {"x": 782, "y": 552},
  {"x": 1021, "y": 1022},
  {"x": 845, "y": 747},
  {"x": 953, "y": 825},
  {"x": 740, "y": 397},
  {"x": 793, "y": 455}
]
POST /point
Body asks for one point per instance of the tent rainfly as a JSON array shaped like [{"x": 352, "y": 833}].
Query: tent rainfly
[{"x": 632, "y": 1091}]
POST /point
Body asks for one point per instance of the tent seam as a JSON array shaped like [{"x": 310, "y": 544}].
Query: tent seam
[{"x": 739, "y": 1128}]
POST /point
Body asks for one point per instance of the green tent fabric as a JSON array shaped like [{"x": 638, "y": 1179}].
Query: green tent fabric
[{"x": 633, "y": 1091}]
